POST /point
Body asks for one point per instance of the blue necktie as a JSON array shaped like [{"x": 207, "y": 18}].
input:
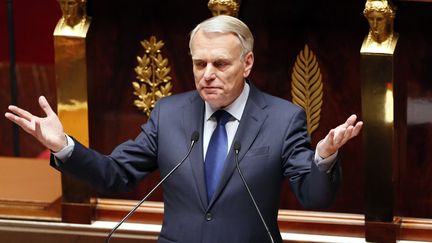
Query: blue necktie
[{"x": 216, "y": 153}]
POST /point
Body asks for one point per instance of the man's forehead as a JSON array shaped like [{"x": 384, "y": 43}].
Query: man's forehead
[
  {"x": 201, "y": 34},
  {"x": 210, "y": 56},
  {"x": 214, "y": 44}
]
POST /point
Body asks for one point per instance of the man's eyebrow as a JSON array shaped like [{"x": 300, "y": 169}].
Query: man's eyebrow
[{"x": 221, "y": 58}]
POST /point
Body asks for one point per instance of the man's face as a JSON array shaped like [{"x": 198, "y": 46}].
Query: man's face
[
  {"x": 378, "y": 25},
  {"x": 218, "y": 71}
]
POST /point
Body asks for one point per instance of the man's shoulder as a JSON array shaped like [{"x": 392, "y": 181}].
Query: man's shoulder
[
  {"x": 180, "y": 98},
  {"x": 274, "y": 102},
  {"x": 169, "y": 106}
]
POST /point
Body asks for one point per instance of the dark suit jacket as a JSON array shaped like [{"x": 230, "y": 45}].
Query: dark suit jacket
[{"x": 274, "y": 145}]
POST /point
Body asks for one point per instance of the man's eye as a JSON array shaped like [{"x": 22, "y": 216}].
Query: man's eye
[
  {"x": 200, "y": 64},
  {"x": 220, "y": 64}
]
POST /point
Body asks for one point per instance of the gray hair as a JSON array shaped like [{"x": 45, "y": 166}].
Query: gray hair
[{"x": 226, "y": 24}]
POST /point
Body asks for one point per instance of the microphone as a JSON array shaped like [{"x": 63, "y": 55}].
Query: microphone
[
  {"x": 194, "y": 139},
  {"x": 237, "y": 150}
]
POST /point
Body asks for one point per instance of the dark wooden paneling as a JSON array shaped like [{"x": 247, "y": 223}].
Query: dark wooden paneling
[
  {"x": 34, "y": 23},
  {"x": 33, "y": 80},
  {"x": 414, "y": 69}
]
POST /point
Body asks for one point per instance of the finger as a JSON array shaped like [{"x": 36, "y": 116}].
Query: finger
[
  {"x": 21, "y": 113},
  {"x": 357, "y": 128},
  {"x": 352, "y": 132},
  {"x": 347, "y": 135},
  {"x": 10, "y": 116},
  {"x": 23, "y": 123},
  {"x": 16, "y": 119},
  {"x": 45, "y": 106},
  {"x": 339, "y": 135},
  {"x": 351, "y": 120},
  {"x": 330, "y": 136}
]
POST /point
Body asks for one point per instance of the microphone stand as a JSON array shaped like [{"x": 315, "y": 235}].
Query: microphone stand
[
  {"x": 195, "y": 136},
  {"x": 237, "y": 150}
]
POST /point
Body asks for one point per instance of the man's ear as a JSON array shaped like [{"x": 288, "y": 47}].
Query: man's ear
[{"x": 248, "y": 63}]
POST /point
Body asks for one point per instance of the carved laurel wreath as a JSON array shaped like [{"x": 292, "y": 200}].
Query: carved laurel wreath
[
  {"x": 307, "y": 87},
  {"x": 152, "y": 74}
]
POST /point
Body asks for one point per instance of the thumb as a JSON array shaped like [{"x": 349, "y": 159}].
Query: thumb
[{"x": 45, "y": 106}]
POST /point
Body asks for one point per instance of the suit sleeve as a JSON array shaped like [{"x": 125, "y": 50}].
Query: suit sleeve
[
  {"x": 123, "y": 169},
  {"x": 311, "y": 186}
]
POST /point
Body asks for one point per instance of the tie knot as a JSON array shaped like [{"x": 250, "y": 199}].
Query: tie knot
[{"x": 222, "y": 117}]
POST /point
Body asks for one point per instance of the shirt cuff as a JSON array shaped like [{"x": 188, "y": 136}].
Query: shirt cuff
[
  {"x": 327, "y": 163},
  {"x": 65, "y": 153}
]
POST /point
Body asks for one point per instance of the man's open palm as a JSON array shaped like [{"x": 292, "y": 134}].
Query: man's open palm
[{"x": 48, "y": 130}]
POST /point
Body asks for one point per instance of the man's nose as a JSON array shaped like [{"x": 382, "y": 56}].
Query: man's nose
[{"x": 209, "y": 73}]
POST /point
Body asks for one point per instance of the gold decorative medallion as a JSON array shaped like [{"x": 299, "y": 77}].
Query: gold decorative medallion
[
  {"x": 152, "y": 74},
  {"x": 307, "y": 87}
]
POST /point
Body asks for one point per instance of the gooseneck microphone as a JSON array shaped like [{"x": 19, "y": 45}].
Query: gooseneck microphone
[
  {"x": 237, "y": 150},
  {"x": 194, "y": 139}
]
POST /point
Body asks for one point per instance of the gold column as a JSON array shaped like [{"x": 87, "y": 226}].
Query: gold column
[
  {"x": 72, "y": 106},
  {"x": 71, "y": 77},
  {"x": 379, "y": 146},
  {"x": 378, "y": 109},
  {"x": 377, "y": 134},
  {"x": 71, "y": 69}
]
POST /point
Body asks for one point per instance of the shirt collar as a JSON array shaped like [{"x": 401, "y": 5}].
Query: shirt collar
[{"x": 235, "y": 109}]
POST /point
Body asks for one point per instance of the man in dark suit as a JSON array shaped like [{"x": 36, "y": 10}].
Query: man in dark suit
[{"x": 203, "y": 201}]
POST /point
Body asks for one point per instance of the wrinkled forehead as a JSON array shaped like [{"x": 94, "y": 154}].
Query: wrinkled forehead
[
  {"x": 215, "y": 43},
  {"x": 227, "y": 38}
]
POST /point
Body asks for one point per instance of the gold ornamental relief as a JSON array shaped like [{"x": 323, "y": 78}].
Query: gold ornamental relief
[
  {"x": 307, "y": 87},
  {"x": 153, "y": 76}
]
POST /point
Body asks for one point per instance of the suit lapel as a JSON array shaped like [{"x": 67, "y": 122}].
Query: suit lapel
[
  {"x": 193, "y": 117},
  {"x": 250, "y": 124}
]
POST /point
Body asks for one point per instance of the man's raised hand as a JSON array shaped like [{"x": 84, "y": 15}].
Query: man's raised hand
[
  {"x": 47, "y": 130},
  {"x": 338, "y": 136}
]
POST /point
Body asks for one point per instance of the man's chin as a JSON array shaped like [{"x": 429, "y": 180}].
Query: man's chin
[{"x": 215, "y": 102}]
